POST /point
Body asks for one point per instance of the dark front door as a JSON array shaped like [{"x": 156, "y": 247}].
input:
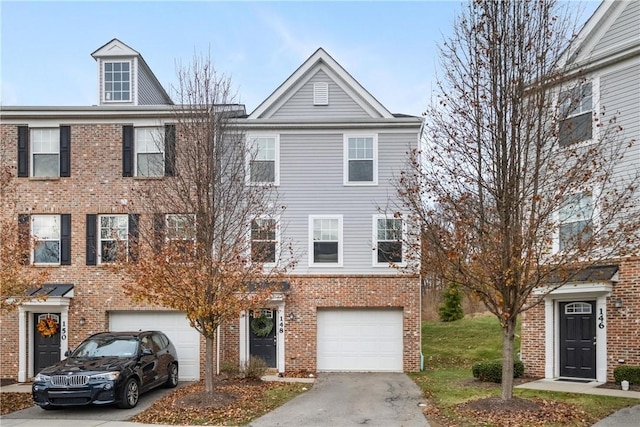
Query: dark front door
[
  {"x": 46, "y": 340},
  {"x": 262, "y": 335},
  {"x": 577, "y": 339}
]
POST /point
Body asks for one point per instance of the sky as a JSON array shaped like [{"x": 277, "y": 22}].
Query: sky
[{"x": 389, "y": 47}]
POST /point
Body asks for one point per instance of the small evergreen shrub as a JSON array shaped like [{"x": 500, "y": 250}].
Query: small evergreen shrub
[
  {"x": 451, "y": 308},
  {"x": 628, "y": 373},
  {"x": 255, "y": 368},
  {"x": 230, "y": 369},
  {"x": 492, "y": 370}
]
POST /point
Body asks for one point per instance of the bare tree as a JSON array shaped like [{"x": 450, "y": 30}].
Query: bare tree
[
  {"x": 16, "y": 277},
  {"x": 214, "y": 224},
  {"x": 500, "y": 173}
]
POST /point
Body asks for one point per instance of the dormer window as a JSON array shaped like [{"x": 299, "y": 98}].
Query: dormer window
[{"x": 117, "y": 81}]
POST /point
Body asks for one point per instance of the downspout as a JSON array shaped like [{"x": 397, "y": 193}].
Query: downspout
[{"x": 218, "y": 350}]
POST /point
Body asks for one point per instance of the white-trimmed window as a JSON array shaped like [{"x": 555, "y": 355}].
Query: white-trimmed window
[
  {"x": 149, "y": 149},
  {"x": 576, "y": 109},
  {"x": 45, "y": 234},
  {"x": 113, "y": 237},
  {"x": 45, "y": 152},
  {"x": 576, "y": 220},
  {"x": 325, "y": 237},
  {"x": 264, "y": 240},
  {"x": 264, "y": 160},
  {"x": 117, "y": 81},
  {"x": 180, "y": 231},
  {"x": 388, "y": 236},
  {"x": 360, "y": 159}
]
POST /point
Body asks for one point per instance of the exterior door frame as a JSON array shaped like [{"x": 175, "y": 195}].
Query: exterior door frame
[
  {"x": 279, "y": 322},
  {"x": 574, "y": 292}
]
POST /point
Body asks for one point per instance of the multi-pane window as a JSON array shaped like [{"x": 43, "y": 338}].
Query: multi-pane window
[
  {"x": 45, "y": 232},
  {"x": 326, "y": 246},
  {"x": 181, "y": 231},
  {"x": 45, "y": 149},
  {"x": 264, "y": 240},
  {"x": 576, "y": 216},
  {"x": 117, "y": 81},
  {"x": 113, "y": 237},
  {"x": 149, "y": 146},
  {"x": 360, "y": 160},
  {"x": 576, "y": 114},
  {"x": 388, "y": 240},
  {"x": 263, "y": 161}
]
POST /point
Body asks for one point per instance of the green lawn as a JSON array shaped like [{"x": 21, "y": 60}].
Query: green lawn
[{"x": 450, "y": 349}]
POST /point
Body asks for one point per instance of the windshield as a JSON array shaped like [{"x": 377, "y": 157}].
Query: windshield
[{"x": 108, "y": 346}]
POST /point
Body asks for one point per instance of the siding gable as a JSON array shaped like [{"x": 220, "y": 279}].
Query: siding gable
[
  {"x": 300, "y": 104},
  {"x": 622, "y": 31}
]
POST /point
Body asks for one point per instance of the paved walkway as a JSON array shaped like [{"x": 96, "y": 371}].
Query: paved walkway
[{"x": 626, "y": 417}]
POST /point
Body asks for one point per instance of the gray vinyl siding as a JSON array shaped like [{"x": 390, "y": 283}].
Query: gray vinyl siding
[
  {"x": 300, "y": 105},
  {"x": 623, "y": 30},
  {"x": 148, "y": 93},
  {"x": 620, "y": 95},
  {"x": 311, "y": 183}
]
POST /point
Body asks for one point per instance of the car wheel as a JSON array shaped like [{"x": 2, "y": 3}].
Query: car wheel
[
  {"x": 172, "y": 381},
  {"x": 130, "y": 394}
]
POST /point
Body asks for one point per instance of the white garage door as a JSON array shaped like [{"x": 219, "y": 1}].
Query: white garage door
[
  {"x": 176, "y": 325},
  {"x": 360, "y": 340}
]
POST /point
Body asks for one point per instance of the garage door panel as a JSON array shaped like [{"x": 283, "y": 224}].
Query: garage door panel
[
  {"x": 175, "y": 325},
  {"x": 360, "y": 340}
]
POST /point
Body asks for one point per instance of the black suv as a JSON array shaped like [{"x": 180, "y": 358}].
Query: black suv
[{"x": 108, "y": 367}]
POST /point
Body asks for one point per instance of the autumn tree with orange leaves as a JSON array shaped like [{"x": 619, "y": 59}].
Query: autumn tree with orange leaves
[
  {"x": 502, "y": 170},
  {"x": 195, "y": 251},
  {"x": 16, "y": 277}
]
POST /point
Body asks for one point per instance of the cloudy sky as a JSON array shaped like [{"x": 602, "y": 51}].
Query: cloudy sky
[{"x": 389, "y": 47}]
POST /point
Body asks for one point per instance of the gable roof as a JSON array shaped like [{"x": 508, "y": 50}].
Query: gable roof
[
  {"x": 587, "y": 49},
  {"x": 320, "y": 60}
]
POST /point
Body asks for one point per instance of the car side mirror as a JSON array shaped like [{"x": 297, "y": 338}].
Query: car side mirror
[
  {"x": 147, "y": 352},
  {"x": 68, "y": 353}
]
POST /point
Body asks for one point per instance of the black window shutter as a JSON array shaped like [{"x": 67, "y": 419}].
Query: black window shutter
[
  {"x": 92, "y": 239},
  {"x": 25, "y": 237},
  {"x": 65, "y": 239},
  {"x": 158, "y": 231},
  {"x": 127, "y": 150},
  {"x": 23, "y": 151},
  {"x": 133, "y": 237},
  {"x": 169, "y": 149},
  {"x": 65, "y": 151}
]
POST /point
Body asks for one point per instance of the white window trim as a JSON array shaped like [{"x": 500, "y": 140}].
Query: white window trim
[
  {"x": 250, "y": 138},
  {"x": 277, "y": 240},
  {"x": 99, "y": 237},
  {"x": 136, "y": 152},
  {"x": 35, "y": 240},
  {"x": 345, "y": 155},
  {"x": 595, "y": 107},
  {"x": 312, "y": 218},
  {"x": 103, "y": 81},
  {"x": 32, "y": 153},
  {"x": 166, "y": 224},
  {"x": 374, "y": 237},
  {"x": 594, "y": 216}
]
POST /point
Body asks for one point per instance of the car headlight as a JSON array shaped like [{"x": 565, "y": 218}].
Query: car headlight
[
  {"x": 106, "y": 376},
  {"x": 41, "y": 378}
]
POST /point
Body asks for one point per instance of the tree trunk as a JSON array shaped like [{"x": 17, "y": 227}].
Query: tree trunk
[
  {"x": 508, "y": 335},
  {"x": 208, "y": 365}
]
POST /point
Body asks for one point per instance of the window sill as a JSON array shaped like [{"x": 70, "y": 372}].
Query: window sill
[
  {"x": 44, "y": 178},
  {"x": 148, "y": 178},
  {"x": 360, "y": 184}
]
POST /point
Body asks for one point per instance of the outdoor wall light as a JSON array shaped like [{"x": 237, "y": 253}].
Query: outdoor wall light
[
  {"x": 83, "y": 321},
  {"x": 291, "y": 316},
  {"x": 618, "y": 303}
]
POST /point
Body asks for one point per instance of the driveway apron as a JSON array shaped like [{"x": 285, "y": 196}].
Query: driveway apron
[{"x": 352, "y": 399}]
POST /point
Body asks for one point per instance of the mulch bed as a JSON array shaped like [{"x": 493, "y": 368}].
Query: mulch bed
[{"x": 616, "y": 386}]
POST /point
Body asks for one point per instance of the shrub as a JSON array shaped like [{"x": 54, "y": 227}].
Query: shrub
[
  {"x": 451, "y": 307},
  {"x": 629, "y": 373},
  {"x": 255, "y": 368},
  {"x": 230, "y": 369},
  {"x": 492, "y": 370}
]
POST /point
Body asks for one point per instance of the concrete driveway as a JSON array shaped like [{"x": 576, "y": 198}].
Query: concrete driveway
[{"x": 352, "y": 399}]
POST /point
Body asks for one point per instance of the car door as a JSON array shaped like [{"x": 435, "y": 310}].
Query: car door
[
  {"x": 148, "y": 362},
  {"x": 164, "y": 356}
]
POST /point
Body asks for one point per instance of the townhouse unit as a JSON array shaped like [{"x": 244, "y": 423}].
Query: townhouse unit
[
  {"x": 332, "y": 151},
  {"x": 586, "y": 328}
]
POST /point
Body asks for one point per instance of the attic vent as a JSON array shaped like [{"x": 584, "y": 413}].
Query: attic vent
[{"x": 320, "y": 94}]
